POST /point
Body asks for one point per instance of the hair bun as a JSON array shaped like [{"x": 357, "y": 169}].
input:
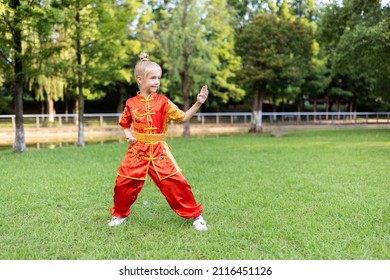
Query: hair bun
[{"x": 144, "y": 56}]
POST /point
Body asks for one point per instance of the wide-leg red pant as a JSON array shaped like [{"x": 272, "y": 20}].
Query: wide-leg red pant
[{"x": 176, "y": 190}]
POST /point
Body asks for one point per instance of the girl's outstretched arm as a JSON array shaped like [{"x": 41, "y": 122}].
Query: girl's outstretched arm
[{"x": 201, "y": 98}]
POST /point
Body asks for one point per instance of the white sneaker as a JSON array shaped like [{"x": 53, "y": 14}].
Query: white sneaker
[
  {"x": 115, "y": 221},
  {"x": 200, "y": 224}
]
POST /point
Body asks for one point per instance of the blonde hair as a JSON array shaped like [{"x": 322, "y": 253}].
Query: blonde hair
[{"x": 143, "y": 67}]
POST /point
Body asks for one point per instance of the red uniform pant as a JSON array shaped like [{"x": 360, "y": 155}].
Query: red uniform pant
[{"x": 176, "y": 190}]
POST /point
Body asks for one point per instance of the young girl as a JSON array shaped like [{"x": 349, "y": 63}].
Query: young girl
[{"x": 148, "y": 153}]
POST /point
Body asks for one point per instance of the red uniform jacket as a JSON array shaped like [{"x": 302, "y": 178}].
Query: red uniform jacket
[{"x": 149, "y": 118}]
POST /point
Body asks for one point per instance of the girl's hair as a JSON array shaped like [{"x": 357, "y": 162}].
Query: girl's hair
[{"x": 143, "y": 67}]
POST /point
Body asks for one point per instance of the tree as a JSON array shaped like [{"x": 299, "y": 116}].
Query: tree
[
  {"x": 316, "y": 79},
  {"x": 184, "y": 51},
  {"x": 355, "y": 36},
  {"x": 12, "y": 20},
  {"x": 363, "y": 51},
  {"x": 275, "y": 53},
  {"x": 19, "y": 22},
  {"x": 226, "y": 63},
  {"x": 97, "y": 43},
  {"x": 44, "y": 78},
  {"x": 197, "y": 47}
]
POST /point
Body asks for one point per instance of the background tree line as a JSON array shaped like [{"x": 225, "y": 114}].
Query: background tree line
[{"x": 286, "y": 52}]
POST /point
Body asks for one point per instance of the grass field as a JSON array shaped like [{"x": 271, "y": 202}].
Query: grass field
[{"x": 311, "y": 195}]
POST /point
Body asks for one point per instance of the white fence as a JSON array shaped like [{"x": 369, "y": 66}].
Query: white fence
[{"x": 102, "y": 120}]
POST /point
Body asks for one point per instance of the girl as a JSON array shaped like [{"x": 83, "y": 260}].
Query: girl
[{"x": 148, "y": 114}]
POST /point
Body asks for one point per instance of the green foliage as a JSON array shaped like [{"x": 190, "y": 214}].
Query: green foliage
[
  {"x": 275, "y": 52},
  {"x": 197, "y": 42},
  {"x": 185, "y": 55},
  {"x": 356, "y": 37},
  {"x": 363, "y": 49},
  {"x": 4, "y": 101},
  {"x": 304, "y": 8},
  {"x": 226, "y": 63},
  {"x": 263, "y": 197}
]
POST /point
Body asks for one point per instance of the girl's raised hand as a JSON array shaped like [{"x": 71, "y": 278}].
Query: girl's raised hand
[{"x": 202, "y": 96}]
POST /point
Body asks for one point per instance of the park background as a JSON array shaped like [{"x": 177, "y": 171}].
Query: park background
[
  {"x": 313, "y": 194},
  {"x": 75, "y": 57}
]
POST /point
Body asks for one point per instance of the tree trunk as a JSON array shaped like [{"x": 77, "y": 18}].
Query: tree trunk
[
  {"x": 76, "y": 111},
  {"x": 120, "y": 105},
  {"x": 327, "y": 108},
  {"x": 185, "y": 82},
  {"x": 257, "y": 108},
  {"x": 350, "y": 110},
  {"x": 354, "y": 107},
  {"x": 80, "y": 139},
  {"x": 299, "y": 102},
  {"x": 66, "y": 101},
  {"x": 184, "y": 74},
  {"x": 50, "y": 109},
  {"x": 338, "y": 109},
  {"x": 274, "y": 118},
  {"x": 20, "y": 143},
  {"x": 43, "y": 111}
]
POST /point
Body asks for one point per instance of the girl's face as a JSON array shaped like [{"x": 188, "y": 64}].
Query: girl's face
[{"x": 150, "y": 82}]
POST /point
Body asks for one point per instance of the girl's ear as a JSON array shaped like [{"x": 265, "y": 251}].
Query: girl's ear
[{"x": 139, "y": 79}]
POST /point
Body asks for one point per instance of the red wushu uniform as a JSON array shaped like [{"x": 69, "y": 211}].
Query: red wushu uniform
[{"x": 150, "y": 155}]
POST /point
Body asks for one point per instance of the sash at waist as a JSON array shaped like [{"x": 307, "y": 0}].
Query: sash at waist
[{"x": 149, "y": 138}]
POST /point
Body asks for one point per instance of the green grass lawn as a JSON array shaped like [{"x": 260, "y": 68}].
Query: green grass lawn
[{"x": 311, "y": 195}]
